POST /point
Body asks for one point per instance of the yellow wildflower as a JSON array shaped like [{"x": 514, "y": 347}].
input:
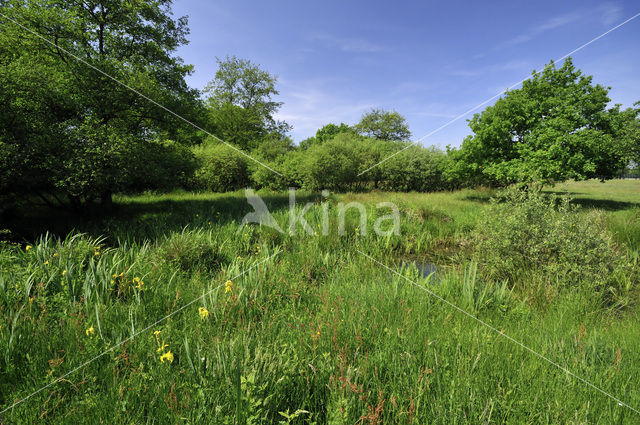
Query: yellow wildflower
[
  {"x": 138, "y": 282},
  {"x": 228, "y": 286},
  {"x": 90, "y": 331},
  {"x": 168, "y": 356},
  {"x": 162, "y": 347},
  {"x": 55, "y": 254},
  {"x": 64, "y": 272},
  {"x": 46, "y": 263},
  {"x": 28, "y": 247},
  {"x": 156, "y": 333},
  {"x": 203, "y": 312}
]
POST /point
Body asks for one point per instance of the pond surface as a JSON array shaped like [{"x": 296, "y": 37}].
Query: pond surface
[{"x": 425, "y": 269}]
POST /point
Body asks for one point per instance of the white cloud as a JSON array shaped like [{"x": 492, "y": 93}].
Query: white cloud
[{"x": 311, "y": 104}]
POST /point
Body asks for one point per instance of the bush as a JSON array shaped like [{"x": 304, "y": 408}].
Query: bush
[
  {"x": 331, "y": 165},
  {"x": 289, "y": 166},
  {"x": 528, "y": 232},
  {"x": 415, "y": 168},
  {"x": 220, "y": 168},
  {"x": 279, "y": 154}
]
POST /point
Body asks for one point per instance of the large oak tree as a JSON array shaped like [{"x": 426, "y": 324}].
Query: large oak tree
[{"x": 556, "y": 127}]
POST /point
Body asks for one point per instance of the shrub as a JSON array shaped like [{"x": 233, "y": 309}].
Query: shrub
[
  {"x": 331, "y": 165},
  {"x": 280, "y": 155},
  {"x": 529, "y": 232},
  {"x": 220, "y": 168},
  {"x": 415, "y": 168}
]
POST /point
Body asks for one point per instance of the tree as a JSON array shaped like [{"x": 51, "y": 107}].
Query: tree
[
  {"x": 625, "y": 125},
  {"x": 555, "y": 127},
  {"x": 240, "y": 103},
  {"x": 326, "y": 133},
  {"x": 73, "y": 132},
  {"x": 384, "y": 125},
  {"x": 331, "y": 130}
]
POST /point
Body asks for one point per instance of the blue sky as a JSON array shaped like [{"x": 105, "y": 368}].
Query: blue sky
[{"x": 430, "y": 61}]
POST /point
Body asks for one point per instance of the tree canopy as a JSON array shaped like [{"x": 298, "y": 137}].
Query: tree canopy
[
  {"x": 555, "y": 127},
  {"x": 240, "y": 103},
  {"x": 384, "y": 125},
  {"x": 326, "y": 133},
  {"x": 69, "y": 130}
]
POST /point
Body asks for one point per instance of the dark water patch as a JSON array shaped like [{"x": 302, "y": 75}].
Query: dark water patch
[{"x": 426, "y": 270}]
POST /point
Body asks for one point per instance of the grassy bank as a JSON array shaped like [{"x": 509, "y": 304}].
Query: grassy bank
[{"x": 308, "y": 326}]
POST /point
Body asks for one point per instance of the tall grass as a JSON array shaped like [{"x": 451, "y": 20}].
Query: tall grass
[{"x": 317, "y": 333}]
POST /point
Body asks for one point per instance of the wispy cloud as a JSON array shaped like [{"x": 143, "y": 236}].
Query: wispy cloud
[
  {"x": 548, "y": 25},
  {"x": 514, "y": 65},
  {"x": 605, "y": 14},
  {"x": 347, "y": 44},
  {"x": 309, "y": 105},
  {"x": 611, "y": 14}
]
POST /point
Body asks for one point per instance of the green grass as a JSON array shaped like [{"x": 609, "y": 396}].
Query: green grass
[
  {"x": 314, "y": 326},
  {"x": 620, "y": 198}
]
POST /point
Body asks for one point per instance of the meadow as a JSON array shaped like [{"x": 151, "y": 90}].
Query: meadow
[{"x": 168, "y": 311}]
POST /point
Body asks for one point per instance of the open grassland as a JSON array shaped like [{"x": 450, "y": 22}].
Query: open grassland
[{"x": 307, "y": 329}]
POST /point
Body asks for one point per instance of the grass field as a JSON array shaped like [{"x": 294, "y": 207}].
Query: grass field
[{"x": 266, "y": 327}]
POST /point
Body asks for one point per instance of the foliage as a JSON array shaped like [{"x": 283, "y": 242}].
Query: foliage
[
  {"x": 624, "y": 125},
  {"x": 240, "y": 103},
  {"x": 384, "y": 125},
  {"x": 529, "y": 232},
  {"x": 167, "y": 165},
  {"x": 65, "y": 127},
  {"x": 288, "y": 165},
  {"x": 273, "y": 147},
  {"x": 336, "y": 164},
  {"x": 415, "y": 168},
  {"x": 327, "y": 132},
  {"x": 220, "y": 167},
  {"x": 556, "y": 127},
  {"x": 332, "y": 165}
]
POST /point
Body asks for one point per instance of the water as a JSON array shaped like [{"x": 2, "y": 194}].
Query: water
[{"x": 425, "y": 269}]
